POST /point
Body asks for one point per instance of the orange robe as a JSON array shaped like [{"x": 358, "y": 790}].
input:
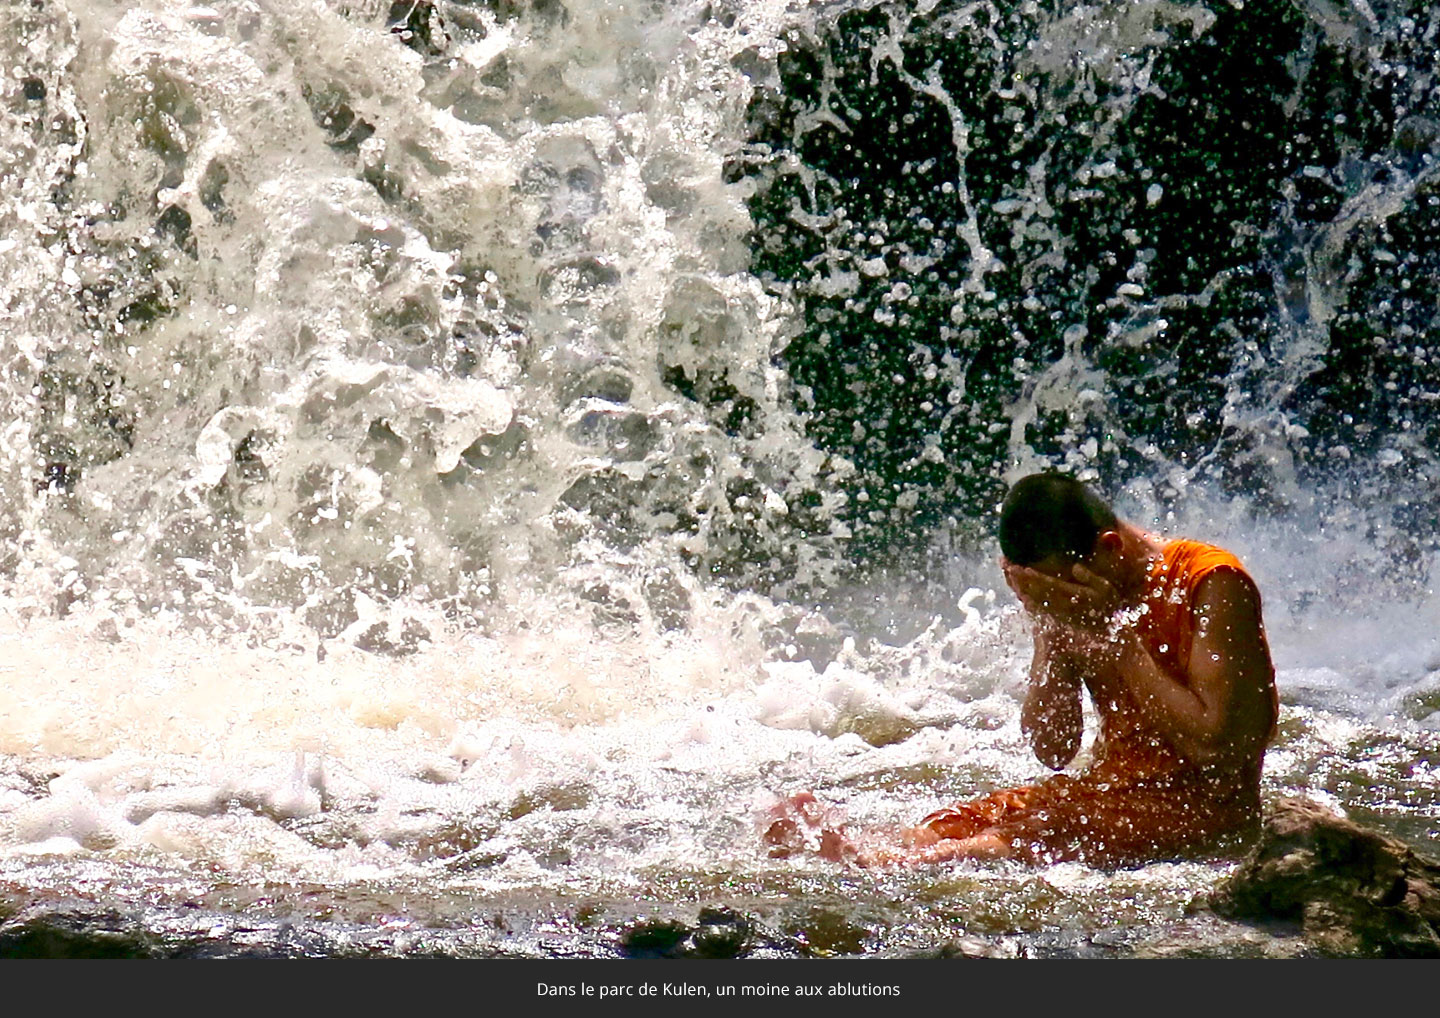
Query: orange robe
[{"x": 1140, "y": 801}]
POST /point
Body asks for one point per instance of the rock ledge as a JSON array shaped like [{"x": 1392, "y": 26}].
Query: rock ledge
[{"x": 1352, "y": 890}]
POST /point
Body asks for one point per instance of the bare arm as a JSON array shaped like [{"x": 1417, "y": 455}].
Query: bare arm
[
  {"x": 1051, "y": 717},
  {"x": 1224, "y": 711}
]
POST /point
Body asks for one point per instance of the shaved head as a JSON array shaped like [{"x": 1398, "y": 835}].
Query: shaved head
[{"x": 1050, "y": 514}]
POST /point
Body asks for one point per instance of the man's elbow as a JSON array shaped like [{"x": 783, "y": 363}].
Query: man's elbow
[
  {"x": 1055, "y": 754},
  {"x": 1226, "y": 750},
  {"x": 1208, "y": 754},
  {"x": 1055, "y": 761}
]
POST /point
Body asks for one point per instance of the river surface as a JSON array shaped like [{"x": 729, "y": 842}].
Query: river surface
[{"x": 461, "y": 464}]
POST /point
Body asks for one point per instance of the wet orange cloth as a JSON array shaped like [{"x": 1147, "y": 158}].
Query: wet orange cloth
[{"x": 1140, "y": 801}]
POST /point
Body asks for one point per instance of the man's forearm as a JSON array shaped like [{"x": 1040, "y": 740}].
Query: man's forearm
[{"x": 1051, "y": 717}]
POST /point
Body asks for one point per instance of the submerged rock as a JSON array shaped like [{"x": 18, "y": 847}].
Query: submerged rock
[
  {"x": 72, "y": 935},
  {"x": 717, "y": 933},
  {"x": 1352, "y": 890}
]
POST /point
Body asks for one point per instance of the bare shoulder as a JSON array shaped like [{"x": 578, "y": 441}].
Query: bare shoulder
[
  {"x": 1229, "y": 588},
  {"x": 1227, "y": 603},
  {"x": 1230, "y": 665},
  {"x": 1230, "y": 649}
]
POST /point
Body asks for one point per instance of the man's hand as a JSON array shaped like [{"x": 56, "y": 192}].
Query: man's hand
[{"x": 1086, "y": 602}]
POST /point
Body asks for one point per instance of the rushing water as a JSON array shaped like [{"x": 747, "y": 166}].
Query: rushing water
[{"x": 463, "y": 462}]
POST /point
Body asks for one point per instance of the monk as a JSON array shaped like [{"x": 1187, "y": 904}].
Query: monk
[{"x": 1166, "y": 637}]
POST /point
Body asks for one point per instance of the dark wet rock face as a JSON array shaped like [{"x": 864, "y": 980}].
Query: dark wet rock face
[
  {"x": 716, "y": 933},
  {"x": 64, "y": 935},
  {"x": 1352, "y": 890},
  {"x": 76, "y": 929}
]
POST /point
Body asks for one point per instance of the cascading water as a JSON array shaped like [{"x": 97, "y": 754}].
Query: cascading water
[{"x": 462, "y": 461}]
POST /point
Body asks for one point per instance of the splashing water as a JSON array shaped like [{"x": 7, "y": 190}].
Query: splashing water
[{"x": 463, "y": 462}]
